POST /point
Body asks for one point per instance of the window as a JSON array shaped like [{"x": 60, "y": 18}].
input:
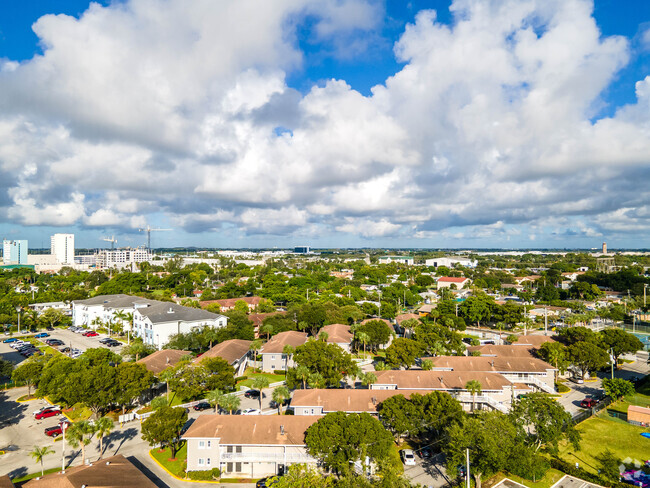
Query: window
[
  {"x": 207, "y": 461},
  {"x": 201, "y": 461},
  {"x": 229, "y": 468},
  {"x": 238, "y": 449},
  {"x": 272, "y": 358},
  {"x": 229, "y": 449},
  {"x": 273, "y": 366},
  {"x": 209, "y": 444},
  {"x": 237, "y": 467},
  {"x": 201, "y": 444}
]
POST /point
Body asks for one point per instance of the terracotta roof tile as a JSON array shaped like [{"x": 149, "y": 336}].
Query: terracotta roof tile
[
  {"x": 291, "y": 337},
  {"x": 163, "y": 359},
  {"x": 491, "y": 364},
  {"x": 230, "y": 350},
  {"x": 439, "y": 380},
  {"x": 337, "y": 333}
]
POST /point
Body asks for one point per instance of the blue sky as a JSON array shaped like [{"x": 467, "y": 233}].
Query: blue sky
[{"x": 343, "y": 123}]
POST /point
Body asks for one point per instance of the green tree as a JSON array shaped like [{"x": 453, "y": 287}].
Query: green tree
[
  {"x": 221, "y": 375},
  {"x": 79, "y": 434},
  {"x": 620, "y": 342},
  {"x": 587, "y": 357},
  {"x": 137, "y": 349},
  {"x": 403, "y": 353},
  {"x": 28, "y": 372},
  {"x": 474, "y": 388},
  {"x": 103, "y": 427},
  {"x": 6, "y": 368},
  {"x": 38, "y": 453},
  {"x": 377, "y": 333},
  {"x": 241, "y": 306},
  {"x": 188, "y": 380},
  {"x": 476, "y": 309},
  {"x": 230, "y": 403},
  {"x": 255, "y": 346},
  {"x": 556, "y": 354},
  {"x": 328, "y": 360},
  {"x": 368, "y": 379},
  {"x": 302, "y": 373},
  {"x": 267, "y": 329},
  {"x": 52, "y": 317},
  {"x": 259, "y": 383},
  {"x": 280, "y": 395},
  {"x": 164, "y": 427},
  {"x": 339, "y": 439},
  {"x": 302, "y": 476},
  {"x": 617, "y": 387},
  {"x": 215, "y": 398},
  {"x": 546, "y": 422},
  {"x": 133, "y": 379},
  {"x": 399, "y": 416},
  {"x": 490, "y": 438}
]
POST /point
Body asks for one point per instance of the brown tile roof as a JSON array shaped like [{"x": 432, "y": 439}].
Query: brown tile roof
[
  {"x": 163, "y": 359},
  {"x": 439, "y": 380},
  {"x": 337, "y": 333},
  {"x": 258, "y": 318},
  {"x": 491, "y": 364},
  {"x": 113, "y": 472},
  {"x": 347, "y": 400},
  {"x": 230, "y": 350},
  {"x": 278, "y": 341},
  {"x": 520, "y": 351},
  {"x": 405, "y": 316},
  {"x": 252, "y": 429},
  {"x": 451, "y": 279},
  {"x": 5, "y": 482}
]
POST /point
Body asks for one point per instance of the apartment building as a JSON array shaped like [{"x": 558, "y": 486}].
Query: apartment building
[
  {"x": 62, "y": 248},
  {"x": 244, "y": 446},
  {"x": 14, "y": 252},
  {"x": 338, "y": 334},
  {"x": 235, "y": 351},
  {"x": 273, "y": 356},
  {"x": 122, "y": 258}
]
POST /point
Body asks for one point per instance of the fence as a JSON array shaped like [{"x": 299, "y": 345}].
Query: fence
[{"x": 585, "y": 414}]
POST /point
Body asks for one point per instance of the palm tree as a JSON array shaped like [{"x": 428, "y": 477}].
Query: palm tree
[
  {"x": 303, "y": 372},
  {"x": 38, "y": 453},
  {"x": 427, "y": 364},
  {"x": 103, "y": 426},
  {"x": 215, "y": 397},
  {"x": 364, "y": 338},
  {"x": 280, "y": 394},
  {"x": 79, "y": 434},
  {"x": 368, "y": 379},
  {"x": 255, "y": 346},
  {"x": 316, "y": 380},
  {"x": 473, "y": 387},
  {"x": 267, "y": 329},
  {"x": 259, "y": 384},
  {"x": 230, "y": 403}
]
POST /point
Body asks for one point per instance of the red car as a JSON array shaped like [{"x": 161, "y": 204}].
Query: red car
[
  {"x": 48, "y": 412},
  {"x": 57, "y": 429},
  {"x": 588, "y": 403},
  {"x": 91, "y": 333}
]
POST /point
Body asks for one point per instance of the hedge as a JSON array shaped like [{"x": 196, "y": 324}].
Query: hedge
[
  {"x": 209, "y": 475},
  {"x": 562, "y": 388}
]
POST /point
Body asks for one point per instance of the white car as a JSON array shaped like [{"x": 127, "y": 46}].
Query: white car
[
  {"x": 408, "y": 457},
  {"x": 251, "y": 411},
  {"x": 46, "y": 406}
]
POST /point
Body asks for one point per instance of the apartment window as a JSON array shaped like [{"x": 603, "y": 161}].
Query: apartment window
[
  {"x": 237, "y": 467},
  {"x": 201, "y": 461},
  {"x": 273, "y": 366},
  {"x": 207, "y": 462},
  {"x": 229, "y": 449},
  {"x": 209, "y": 444},
  {"x": 201, "y": 444},
  {"x": 238, "y": 449},
  {"x": 229, "y": 468},
  {"x": 272, "y": 358}
]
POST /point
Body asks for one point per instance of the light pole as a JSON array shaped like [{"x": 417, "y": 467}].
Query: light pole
[
  {"x": 379, "y": 293},
  {"x": 64, "y": 427},
  {"x": 18, "y": 311},
  {"x": 645, "y": 285}
]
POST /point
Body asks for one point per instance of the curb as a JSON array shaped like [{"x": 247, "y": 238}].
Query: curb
[
  {"x": 176, "y": 477},
  {"x": 28, "y": 400}
]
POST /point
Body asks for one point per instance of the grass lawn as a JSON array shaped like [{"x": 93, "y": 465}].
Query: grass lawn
[
  {"x": 550, "y": 478},
  {"x": 273, "y": 378},
  {"x": 176, "y": 466},
  {"x": 28, "y": 477},
  {"x": 605, "y": 432},
  {"x": 26, "y": 398},
  {"x": 78, "y": 412}
]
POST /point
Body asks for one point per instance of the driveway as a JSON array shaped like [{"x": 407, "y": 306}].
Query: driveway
[{"x": 427, "y": 472}]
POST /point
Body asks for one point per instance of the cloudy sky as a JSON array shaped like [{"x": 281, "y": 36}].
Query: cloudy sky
[{"x": 505, "y": 123}]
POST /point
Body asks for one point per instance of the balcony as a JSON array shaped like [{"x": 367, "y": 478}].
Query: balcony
[{"x": 267, "y": 457}]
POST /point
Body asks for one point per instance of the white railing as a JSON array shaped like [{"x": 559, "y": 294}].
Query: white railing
[
  {"x": 541, "y": 384},
  {"x": 465, "y": 398},
  {"x": 261, "y": 457}
]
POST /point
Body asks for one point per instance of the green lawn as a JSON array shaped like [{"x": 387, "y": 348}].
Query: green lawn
[
  {"x": 28, "y": 477},
  {"x": 78, "y": 412},
  {"x": 273, "y": 378},
  {"x": 606, "y": 432},
  {"x": 176, "y": 466}
]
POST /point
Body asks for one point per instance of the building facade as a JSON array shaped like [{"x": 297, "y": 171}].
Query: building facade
[
  {"x": 122, "y": 258},
  {"x": 62, "y": 248},
  {"x": 14, "y": 252}
]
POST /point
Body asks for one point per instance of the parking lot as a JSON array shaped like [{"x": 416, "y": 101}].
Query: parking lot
[{"x": 78, "y": 341}]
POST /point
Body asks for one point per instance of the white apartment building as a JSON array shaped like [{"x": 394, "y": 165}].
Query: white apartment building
[
  {"x": 122, "y": 258},
  {"x": 62, "y": 248},
  {"x": 154, "y": 321},
  {"x": 450, "y": 262}
]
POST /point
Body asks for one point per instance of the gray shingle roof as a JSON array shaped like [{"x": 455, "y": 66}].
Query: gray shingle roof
[{"x": 159, "y": 312}]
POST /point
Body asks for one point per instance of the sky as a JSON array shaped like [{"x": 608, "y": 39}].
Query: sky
[{"x": 340, "y": 123}]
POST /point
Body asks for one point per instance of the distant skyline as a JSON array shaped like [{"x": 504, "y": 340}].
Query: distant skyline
[{"x": 342, "y": 123}]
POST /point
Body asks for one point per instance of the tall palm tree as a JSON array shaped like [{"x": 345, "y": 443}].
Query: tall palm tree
[
  {"x": 230, "y": 403},
  {"x": 303, "y": 372},
  {"x": 260, "y": 383},
  {"x": 38, "y": 453},
  {"x": 103, "y": 426},
  {"x": 364, "y": 338},
  {"x": 316, "y": 380},
  {"x": 368, "y": 379},
  {"x": 215, "y": 397},
  {"x": 79, "y": 435},
  {"x": 255, "y": 347},
  {"x": 280, "y": 394},
  {"x": 473, "y": 387},
  {"x": 267, "y": 329}
]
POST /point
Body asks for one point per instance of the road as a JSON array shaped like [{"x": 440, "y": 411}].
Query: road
[{"x": 20, "y": 429}]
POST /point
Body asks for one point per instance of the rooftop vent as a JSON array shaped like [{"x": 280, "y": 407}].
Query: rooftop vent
[
  {"x": 374, "y": 400},
  {"x": 171, "y": 310},
  {"x": 282, "y": 430},
  {"x": 108, "y": 463}
]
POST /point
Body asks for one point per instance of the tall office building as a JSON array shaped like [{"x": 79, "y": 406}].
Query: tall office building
[
  {"x": 14, "y": 252},
  {"x": 62, "y": 248}
]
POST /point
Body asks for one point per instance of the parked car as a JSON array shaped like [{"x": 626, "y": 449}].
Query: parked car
[
  {"x": 31, "y": 352},
  {"x": 251, "y": 411},
  {"x": 274, "y": 404},
  {"x": 113, "y": 344},
  {"x": 425, "y": 453},
  {"x": 252, "y": 394},
  {"x": 408, "y": 457},
  {"x": 11, "y": 339},
  {"x": 104, "y": 340},
  {"x": 45, "y": 408},
  {"x": 265, "y": 483},
  {"x": 202, "y": 406},
  {"x": 49, "y": 328},
  {"x": 42, "y": 334},
  {"x": 18, "y": 344},
  {"x": 56, "y": 342},
  {"x": 577, "y": 380},
  {"x": 57, "y": 430},
  {"x": 48, "y": 412},
  {"x": 90, "y": 333},
  {"x": 588, "y": 403},
  {"x": 64, "y": 349},
  {"x": 80, "y": 331}
]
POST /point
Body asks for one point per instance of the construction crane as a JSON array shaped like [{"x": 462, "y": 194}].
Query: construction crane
[
  {"x": 112, "y": 240},
  {"x": 149, "y": 230}
]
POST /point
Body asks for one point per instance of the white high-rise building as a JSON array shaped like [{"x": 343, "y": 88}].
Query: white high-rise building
[
  {"x": 62, "y": 248},
  {"x": 14, "y": 252}
]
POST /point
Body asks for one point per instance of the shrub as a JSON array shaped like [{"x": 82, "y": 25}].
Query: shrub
[
  {"x": 279, "y": 371},
  {"x": 528, "y": 465},
  {"x": 240, "y": 378},
  {"x": 208, "y": 475},
  {"x": 562, "y": 388}
]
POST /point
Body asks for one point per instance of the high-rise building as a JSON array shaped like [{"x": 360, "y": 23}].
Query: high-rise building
[
  {"x": 14, "y": 252},
  {"x": 62, "y": 248},
  {"x": 604, "y": 248}
]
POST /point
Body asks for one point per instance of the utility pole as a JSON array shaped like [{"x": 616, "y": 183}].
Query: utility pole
[
  {"x": 307, "y": 294},
  {"x": 611, "y": 357},
  {"x": 467, "y": 466},
  {"x": 379, "y": 293},
  {"x": 645, "y": 285},
  {"x": 545, "y": 321},
  {"x": 18, "y": 310},
  {"x": 64, "y": 426}
]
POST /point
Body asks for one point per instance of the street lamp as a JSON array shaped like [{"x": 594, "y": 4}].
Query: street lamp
[{"x": 18, "y": 311}]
